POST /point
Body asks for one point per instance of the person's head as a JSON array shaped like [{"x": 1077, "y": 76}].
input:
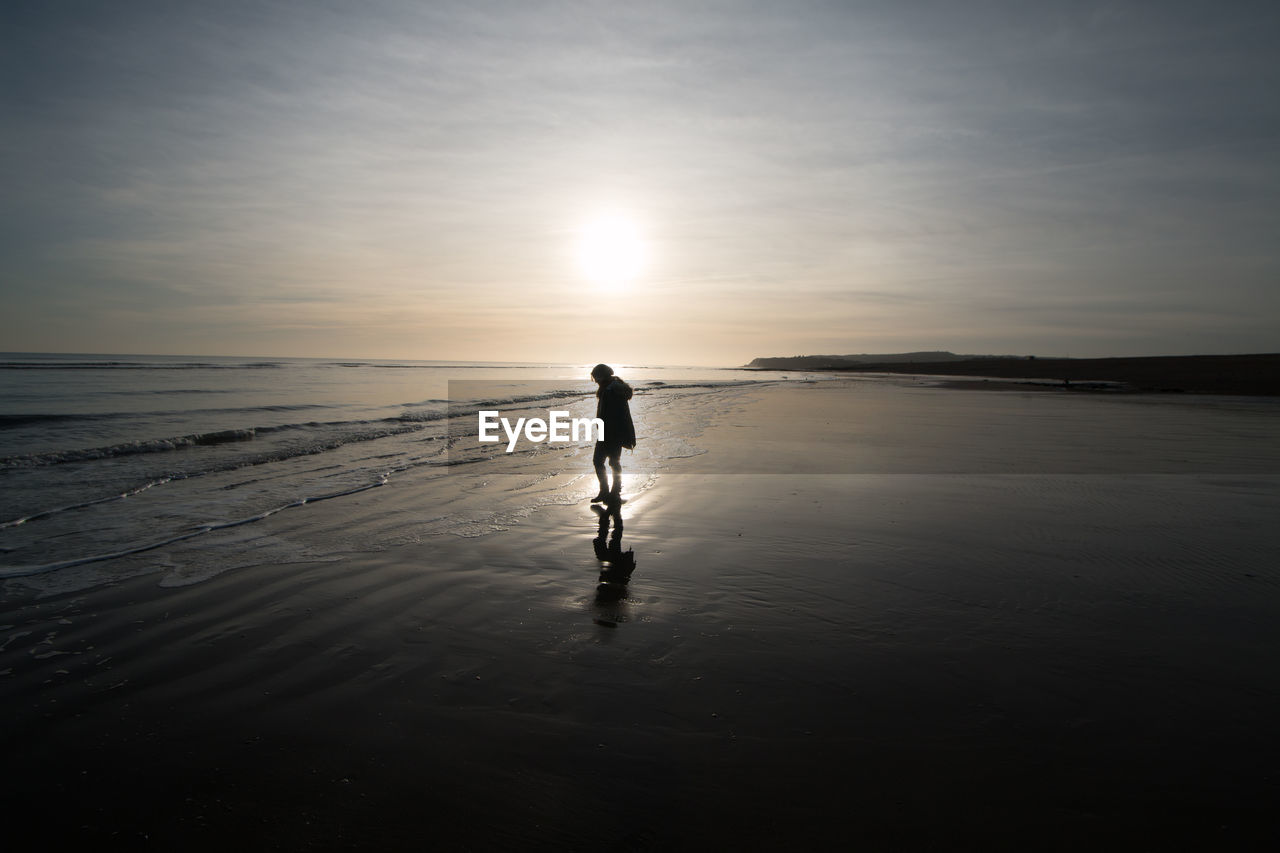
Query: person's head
[{"x": 602, "y": 373}]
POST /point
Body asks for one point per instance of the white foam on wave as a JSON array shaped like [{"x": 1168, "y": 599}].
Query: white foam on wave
[{"x": 84, "y": 504}]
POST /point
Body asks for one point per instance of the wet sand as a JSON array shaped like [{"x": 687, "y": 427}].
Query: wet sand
[{"x": 888, "y": 658}]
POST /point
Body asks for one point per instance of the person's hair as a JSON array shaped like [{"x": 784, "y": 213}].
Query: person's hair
[{"x": 601, "y": 370}]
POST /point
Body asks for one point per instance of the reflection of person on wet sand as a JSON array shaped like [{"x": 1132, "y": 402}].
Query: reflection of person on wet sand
[
  {"x": 619, "y": 431},
  {"x": 617, "y": 565}
]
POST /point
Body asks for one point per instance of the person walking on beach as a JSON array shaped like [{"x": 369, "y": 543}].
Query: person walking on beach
[{"x": 619, "y": 431}]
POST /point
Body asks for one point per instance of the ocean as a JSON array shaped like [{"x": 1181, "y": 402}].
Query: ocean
[{"x": 113, "y": 466}]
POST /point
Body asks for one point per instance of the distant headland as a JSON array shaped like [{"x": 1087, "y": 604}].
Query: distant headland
[
  {"x": 826, "y": 362},
  {"x": 1193, "y": 374}
]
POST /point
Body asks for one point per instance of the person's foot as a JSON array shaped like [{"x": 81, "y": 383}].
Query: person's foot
[
  {"x": 600, "y": 498},
  {"x": 614, "y": 499}
]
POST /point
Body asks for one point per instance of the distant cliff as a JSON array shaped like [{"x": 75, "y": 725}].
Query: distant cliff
[{"x": 818, "y": 362}]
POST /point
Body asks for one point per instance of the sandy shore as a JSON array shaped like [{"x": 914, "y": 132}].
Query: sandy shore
[{"x": 889, "y": 660}]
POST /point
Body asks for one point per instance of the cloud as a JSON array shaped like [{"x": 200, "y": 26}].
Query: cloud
[{"x": 869, "y": 164}]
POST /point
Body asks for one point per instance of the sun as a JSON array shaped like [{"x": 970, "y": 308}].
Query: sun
[{"x": 611, "y": 251}]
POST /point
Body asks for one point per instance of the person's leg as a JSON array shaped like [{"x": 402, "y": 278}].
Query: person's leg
[
  {"x": 615, "y": 462},
  {"x": 597, "y": 461}
]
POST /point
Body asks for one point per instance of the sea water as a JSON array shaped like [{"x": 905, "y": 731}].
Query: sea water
[{"x": 111, "y": 465}]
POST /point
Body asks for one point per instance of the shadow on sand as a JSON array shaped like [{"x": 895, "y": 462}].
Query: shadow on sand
[{"x": 616, "y": 565}]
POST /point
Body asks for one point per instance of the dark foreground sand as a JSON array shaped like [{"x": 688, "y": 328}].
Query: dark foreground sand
[{"x": 875, "y": 661}]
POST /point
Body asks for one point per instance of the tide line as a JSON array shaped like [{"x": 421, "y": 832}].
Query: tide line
[{"x": 29, "y": 571}]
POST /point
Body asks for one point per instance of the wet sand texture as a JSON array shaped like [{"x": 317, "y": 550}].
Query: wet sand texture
[{"x": 879, "y": 660}]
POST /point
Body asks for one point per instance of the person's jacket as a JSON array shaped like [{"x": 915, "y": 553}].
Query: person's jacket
[{"x": 612, "y": 408}]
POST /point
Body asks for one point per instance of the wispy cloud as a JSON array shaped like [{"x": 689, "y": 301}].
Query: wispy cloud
[{"x": 926, "y": 173}]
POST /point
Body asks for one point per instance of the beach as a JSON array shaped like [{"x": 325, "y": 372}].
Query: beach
[
  {"x": 933, "y": 348},
  {"x": 862, "y": 612}
]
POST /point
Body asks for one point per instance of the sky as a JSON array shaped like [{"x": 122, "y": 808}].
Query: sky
[{"x": 692, "y": 183}]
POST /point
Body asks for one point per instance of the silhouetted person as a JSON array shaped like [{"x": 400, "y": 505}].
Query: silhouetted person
[{"x": 619, "y": 431}]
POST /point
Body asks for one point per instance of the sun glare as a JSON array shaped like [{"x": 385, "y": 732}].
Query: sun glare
[{"x": 611, "y": 251}]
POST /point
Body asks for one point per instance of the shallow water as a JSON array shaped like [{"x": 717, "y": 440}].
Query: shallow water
[
  {"x": 115, "y": 467},
  {"x": 112, "y": 466}
]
